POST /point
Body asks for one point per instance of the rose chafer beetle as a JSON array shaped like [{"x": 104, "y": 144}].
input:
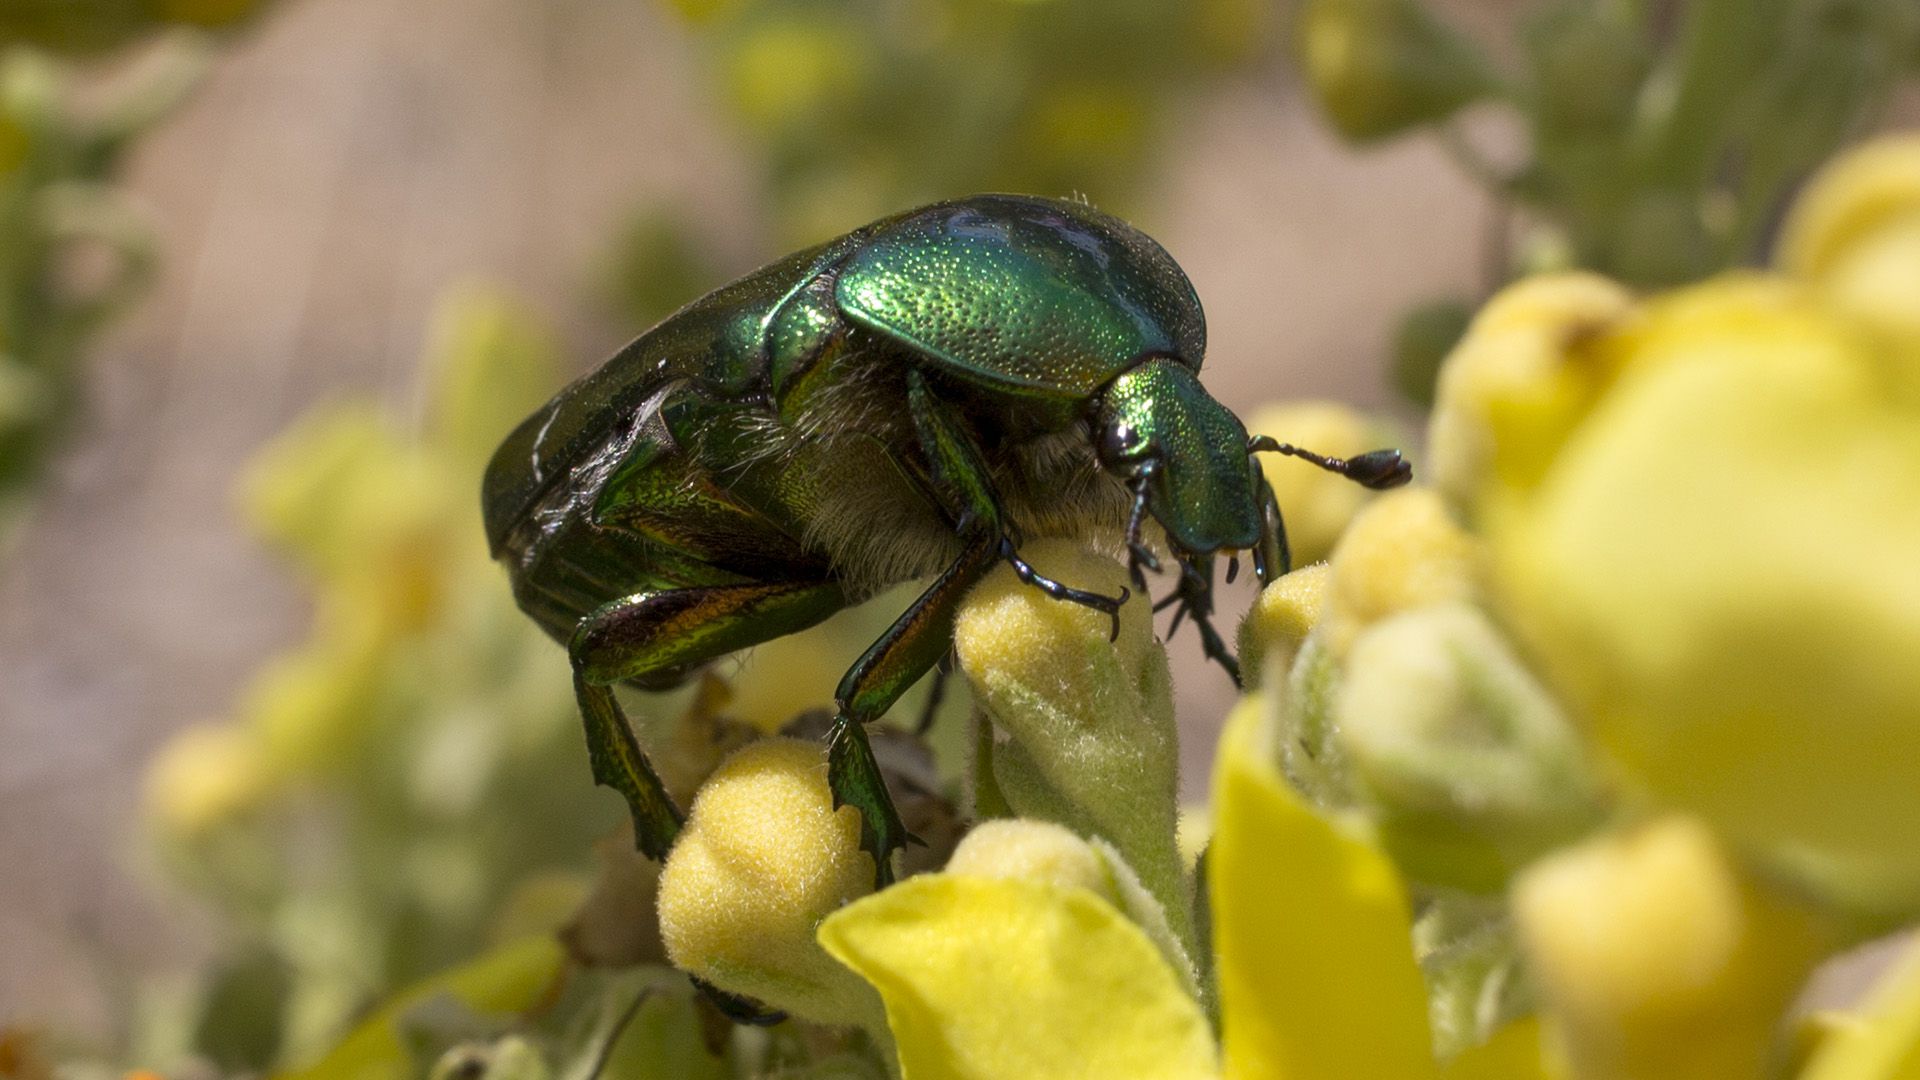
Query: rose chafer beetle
[{"x": 914, "y": 399}]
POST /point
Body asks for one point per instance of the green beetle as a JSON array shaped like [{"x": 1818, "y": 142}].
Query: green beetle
[{"x": 911, "y": 400}]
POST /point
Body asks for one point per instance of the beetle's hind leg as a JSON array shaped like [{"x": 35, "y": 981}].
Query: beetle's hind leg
[
  {"x": 649, "y": 635},
  {"x": 914, "y": 643}
]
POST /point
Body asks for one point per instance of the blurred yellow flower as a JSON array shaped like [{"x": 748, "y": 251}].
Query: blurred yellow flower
[
  {"x": 763, "y": 858},
  {"x": 1657, "y": 955},
  {"x": 1719, "y": 567},
  {"x": 1855, "y": 236},
  {"x": 1518, "y": 383},
  {"x": 784, "y": 71},
  {"x": 204, "y": 776}
]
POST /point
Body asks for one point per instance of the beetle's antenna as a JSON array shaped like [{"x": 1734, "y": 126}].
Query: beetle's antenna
[
  {"x": 1377, "y": 469},
  {"x": 1028, "y": 575}
]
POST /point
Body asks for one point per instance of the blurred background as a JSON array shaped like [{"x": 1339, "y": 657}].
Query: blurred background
[{"x": 251, "y": 224}]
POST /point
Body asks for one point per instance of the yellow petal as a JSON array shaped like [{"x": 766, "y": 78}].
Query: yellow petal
[
  {"x": 989, "y": 979},
  {"x": 1885, "y": 1044},
  {"x": 1311, "y": 927}
]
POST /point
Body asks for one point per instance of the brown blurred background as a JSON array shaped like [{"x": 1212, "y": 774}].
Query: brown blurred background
[{"x": 349, "y": 159}]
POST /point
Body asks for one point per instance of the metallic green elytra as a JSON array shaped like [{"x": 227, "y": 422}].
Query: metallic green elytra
[{"x": 915, "y": 399}]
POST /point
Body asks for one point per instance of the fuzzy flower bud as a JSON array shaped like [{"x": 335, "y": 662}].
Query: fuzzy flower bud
[
  {"x": 1040, "y": 851},
  {"x": 1855, "y": 238},
  {"x": 1403, "y": 552},
  {"x": 1278, "y": 623},
  {"x": 763, "y": 858},
  {"x": 1088, "y": 722},
  {"x": 1657, "y": 956}
]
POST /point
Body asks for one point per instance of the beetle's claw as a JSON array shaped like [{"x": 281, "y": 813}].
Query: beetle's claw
[{"x": 854, "y": 778}]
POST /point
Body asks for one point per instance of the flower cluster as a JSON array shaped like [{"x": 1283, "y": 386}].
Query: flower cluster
[{"x": 1575, "y": 762}]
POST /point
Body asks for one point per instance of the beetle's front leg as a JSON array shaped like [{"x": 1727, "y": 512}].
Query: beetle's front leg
[
  {"x": 663, "y": 633},
  {"x": 914, "y": 643},
  {"x": 962, "y": 486}
]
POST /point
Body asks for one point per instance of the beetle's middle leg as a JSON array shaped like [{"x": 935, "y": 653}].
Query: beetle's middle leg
[{"x": 666, "y": 631}]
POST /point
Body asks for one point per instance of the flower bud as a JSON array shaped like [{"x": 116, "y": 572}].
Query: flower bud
[
  {"x": 1657, "y": 955},
  {"x": 1277, "y": 624},
  {"x": 1024, "y": 850},
  {"x": 763, "y": 858},
  {"x": 1471, "y": 769},
  {"x": 1403, "y": 552},
  {"x": 1318, "y": 503},
  {"x": 1090, "y": 738}
]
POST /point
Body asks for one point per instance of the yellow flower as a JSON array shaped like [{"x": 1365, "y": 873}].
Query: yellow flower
[
  {"x": 1657, "y": 955},
  {"x": 1315, "y": 957},
  {"x": 1318, "y": 504},
  {"x": 763, "y": 858},
  {"x": 1016, "y": 961},
  {"x": 1719, "y": 569}
]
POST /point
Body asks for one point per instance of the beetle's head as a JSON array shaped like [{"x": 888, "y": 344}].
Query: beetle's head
[{"x": 1184, "y": 454}]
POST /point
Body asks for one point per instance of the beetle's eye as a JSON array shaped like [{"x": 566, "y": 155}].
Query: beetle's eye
[{"x": 1119, "y": 443}]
